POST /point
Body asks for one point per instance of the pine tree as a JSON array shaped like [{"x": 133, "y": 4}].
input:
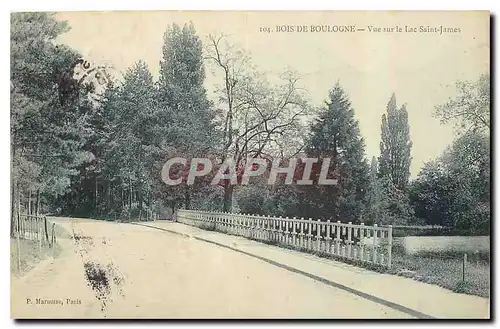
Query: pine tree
[
  {"x": 132, "y": 131},
  {"x": 336, "y": 135}
]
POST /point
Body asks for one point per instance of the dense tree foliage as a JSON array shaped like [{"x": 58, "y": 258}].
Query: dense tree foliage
[
  {"x": 49, "y": 112},
  {"x": 454, "y": 190},
  {"x": 470, "y": 110},
  {"x": 83, "y": 155}
]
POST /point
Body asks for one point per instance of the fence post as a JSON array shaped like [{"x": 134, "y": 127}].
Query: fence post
[
  {"x": 318, "y": 235},
  {"x": 328, "y": 242},
  {"x": 287, "y": 230},
  {"x": 39, "y": 231},
  {"x": 389, "y": 246},
  {"x": 18, "y": 251},
  {"x": 309, "y": 234},
  {"x": 272, "y": 227},
  {"x": 246, "y": 225},
  {"x": 349, "y": 240},
  {"x": 266, "y": 235},
  {"x": 362, "y": 242},
  {"x": 29, "y": 202},
  {"x": 301, "y": 234},
  {"x": 375, "y": 233},
  {"x": 54, "y": 239},
  {"x": 242, "y": 225},
  {"x": 280, "y": 229},
  {"x": 463, "y": 267},
  {"x": 338, "y": 240},
  {"x": 260, "y": 227},
  {"x": 255, "y": 229},
  {"x": 250, "y": 226},
  {"x": 19, "y": 222},
  {"x": 46, "y": 230}
]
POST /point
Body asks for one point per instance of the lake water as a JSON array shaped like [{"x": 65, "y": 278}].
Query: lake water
[
  {"x": 464, "y": 244},
  {"x": 413, "y": 244}
]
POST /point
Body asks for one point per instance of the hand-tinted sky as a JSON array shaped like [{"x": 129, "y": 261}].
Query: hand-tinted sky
[{"x": 421, "y": 68}]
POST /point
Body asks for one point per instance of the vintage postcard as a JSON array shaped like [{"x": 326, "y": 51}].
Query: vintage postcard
[{"x": 250, "y": 165}]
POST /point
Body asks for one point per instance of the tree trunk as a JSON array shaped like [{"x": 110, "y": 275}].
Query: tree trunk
[
  {"x": 20, "y": 225},
  {"x": 129, "y": 199},
  {"x": 112, "y": 197},
  {"x": 96, "y": 194},
  {"x": 13, "y": 207},
  {"x": 174, "y": 215},
  {"x": 108, "y": 197},
  {"x": 29, "y": 202},
  {"x": 228, "y": 196},
  {"x": 13, "y": 187},
  {"x": 140, "y": 199},
  {"x": 187, "y": 197},
  {"x": 77, "y": 203},
  {"x": 38, "y": 201}
]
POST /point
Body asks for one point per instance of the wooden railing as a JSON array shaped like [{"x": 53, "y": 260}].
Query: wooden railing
[{"x": 368, "y": 244}]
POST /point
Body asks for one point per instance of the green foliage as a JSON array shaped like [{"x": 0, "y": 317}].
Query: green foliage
[
  {"x": 388, "y": 200},
  {"x": 470, "y": 109},
  {"x": 395, "y": 145},
  {"x": 182, "y": 93},
  {"x": 122, "y": 141},
  {"x": 184, "y": 109},
  {"x": 103, "y": 158},
  {"x": 454, "y": 190},
  {"x": 335, "y": 134},
  {"x": 251, "y": 199},
  {"x": 48, "y": 118},
  {"x": 375, "y": 197}
]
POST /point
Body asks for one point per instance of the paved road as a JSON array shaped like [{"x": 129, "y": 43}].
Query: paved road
[{"x": 117, "y": 270}]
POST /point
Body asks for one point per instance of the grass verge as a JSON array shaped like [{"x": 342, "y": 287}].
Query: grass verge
[
  {"x": 26, "y": 254},
  {"x": 445, "y": 272}
]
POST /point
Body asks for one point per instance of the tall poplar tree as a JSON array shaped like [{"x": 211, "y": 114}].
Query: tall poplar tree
[
  {"x": 395, "y": 145},
  {"x": 183, "y": 98}
]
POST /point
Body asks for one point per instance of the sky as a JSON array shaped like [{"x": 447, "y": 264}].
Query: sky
[{"x": 420, "y": 67}]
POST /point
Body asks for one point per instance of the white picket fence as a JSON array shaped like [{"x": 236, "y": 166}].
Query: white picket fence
[{"x": 369, "y": 244}]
